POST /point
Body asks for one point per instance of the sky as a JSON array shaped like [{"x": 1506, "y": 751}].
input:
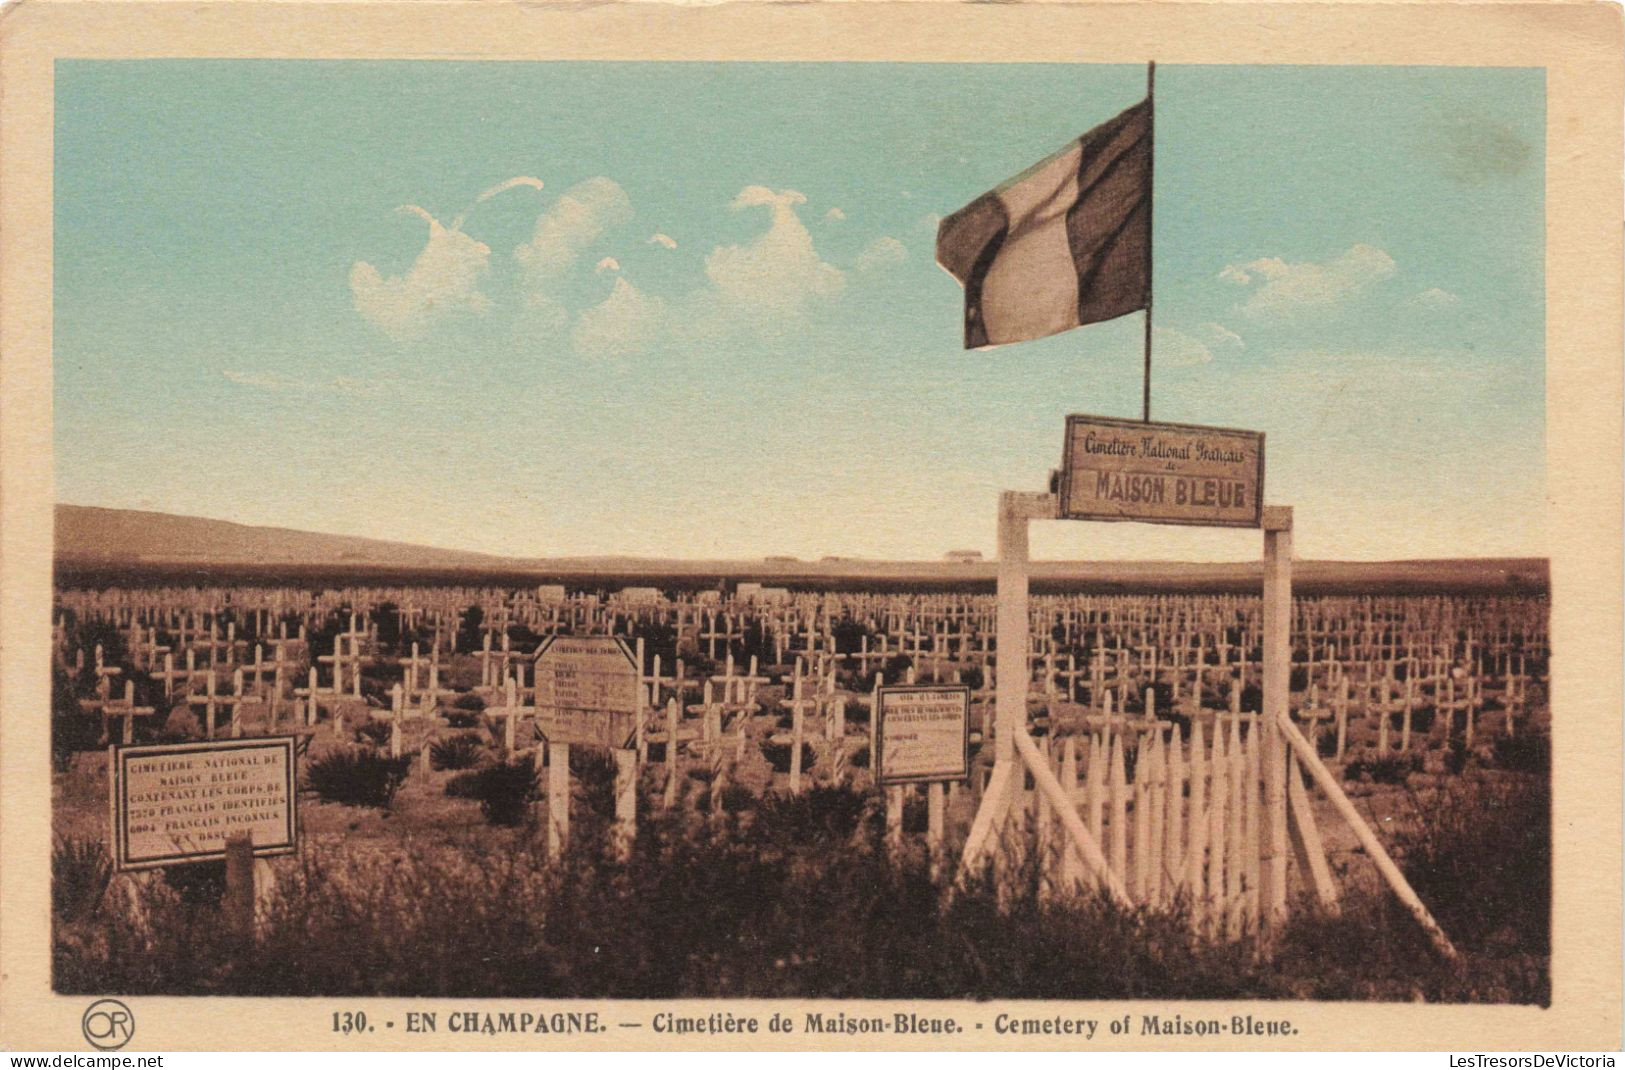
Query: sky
[{"x": 692, "y": 309}]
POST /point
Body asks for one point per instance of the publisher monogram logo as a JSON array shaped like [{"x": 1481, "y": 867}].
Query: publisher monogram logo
[{"x": 108, "y": 1024}]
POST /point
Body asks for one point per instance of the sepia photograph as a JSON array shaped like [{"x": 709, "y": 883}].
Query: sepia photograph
[{"x": 654, "y": 528}]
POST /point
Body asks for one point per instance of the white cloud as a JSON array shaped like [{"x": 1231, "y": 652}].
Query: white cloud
[
  {"x": 665, "y": 241},
  {"x": 442, "y": 281},
  {"x": 572, "y": 223},
  {"x": 762, "y": 287},
  {"x": 1219, "y": 334},
  {"x": 1284, "y": 289},
  {"x": 1435, "y": 298},
  {"x": 930, "y": 221},
  {"x": 627, "y": 321},
  {"x": 501, "y": 187},
  {"x": 1176, "y": 349},
  {"x": 608, "y": 263},
  {"x": 834, "y": 215},
  {"x": 881, "y": 253},
  {"x": 773, "y": 279}
]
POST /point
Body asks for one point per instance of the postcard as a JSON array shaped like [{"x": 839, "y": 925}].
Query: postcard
[{"x": 928, "y": 526}]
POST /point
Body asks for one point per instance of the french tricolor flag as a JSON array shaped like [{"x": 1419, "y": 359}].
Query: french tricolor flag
[{"x": 1065, "y": 243}]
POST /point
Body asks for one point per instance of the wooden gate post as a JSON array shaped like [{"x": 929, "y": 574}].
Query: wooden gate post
[
  {"x": 1277, "y": 707},
  {"x": 1016, "y": 510},
  {"x": 1010, "y": 670}
]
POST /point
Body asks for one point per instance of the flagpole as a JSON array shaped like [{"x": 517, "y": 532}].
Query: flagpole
[{"x": 1150, "y": 202}]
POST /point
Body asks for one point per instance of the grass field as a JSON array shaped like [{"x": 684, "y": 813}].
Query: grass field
[{"x": 785, "y": 897}]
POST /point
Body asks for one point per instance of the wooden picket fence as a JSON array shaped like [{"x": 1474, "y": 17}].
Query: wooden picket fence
[{"x": 1179, "y": 817}]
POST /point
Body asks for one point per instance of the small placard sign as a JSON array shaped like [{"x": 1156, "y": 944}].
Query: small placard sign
[
  {"x": 922, "y": 734},
  {"x": 1159, "y": 473},
  {"x": 178, "y": 802},
  {"x": 587, "y": 690}
]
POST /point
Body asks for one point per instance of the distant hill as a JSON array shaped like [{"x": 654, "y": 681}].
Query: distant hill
[
  {"x": 89, "y": 533},
  {"x": 98, "y": 547}
]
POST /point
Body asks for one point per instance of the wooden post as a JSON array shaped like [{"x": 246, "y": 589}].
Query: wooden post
[
  {"x": 894, "y": 819},
  {"x": 1078, "y": 837},
  {"x": 558, "y": 799},
  {"x": 1277, "y": 707},
  {"x": 1197, "y": 825},
  {"x": 1174, "y": 830},
  {"x": 1071, "y": 868},
  {"x": 673, "y": 719},
  {"x": 934, "y": 823},
  {"x": 1218, "y": 796},
  {"x": 238, "y": 903},
  {"x": 1117, "y": 816},
  {"x": 1140, "y": 886},
  {"x": 1011, "y": 673},
  {"x": 1368, "y": 839},
  {"x": 797, "y": 735},
  {"x": 1306, "y": 838},
  {"x": 626, "y": 801}
]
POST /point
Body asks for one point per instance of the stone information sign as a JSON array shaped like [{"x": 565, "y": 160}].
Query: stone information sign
[
  {"x": 1159, "y": 473},
  {"x": 923, "y": 734},
  {"x": 179, "y": 802},
  {"x": 587, "y": 690}
]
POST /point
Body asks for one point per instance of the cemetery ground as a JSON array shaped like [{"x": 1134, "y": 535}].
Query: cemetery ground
[{"x": 434, "y": 874}]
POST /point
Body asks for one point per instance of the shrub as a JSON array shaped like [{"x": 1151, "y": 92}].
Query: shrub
[
  {"x": 897, "y": 667},
  {"x": 1524, "y": 754},
  {"x": 72, "y": 730},
  {"x": 504, "y": 790},
  {"x": 461, "y": 751},
  {"x": 375, "y": 733},
  {"x": 1480, "y": 857},
  {"x": 1422, "y": 718},
  {"x": 80, "y": 873},
  {"x": 358, "y": 777},
  {"x": 470, "y": 630},
  {"x": 466, "y": 711},
  {"x": 181, "y": 724},
  {"x": 819, "y": 814},
  {"x": 778, "y": 756},
  {"x": 849, "y": 635},
  {"x": 1384, "y": 769}
]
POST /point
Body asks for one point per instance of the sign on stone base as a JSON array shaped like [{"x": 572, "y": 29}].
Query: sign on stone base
[
  {"x": 922, "y": 734},
  {"x": 180, "y": 802}
]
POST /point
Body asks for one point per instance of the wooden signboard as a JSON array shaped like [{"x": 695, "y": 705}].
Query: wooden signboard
[
  {"x": 922, "y": 734},
  {"x": 1159, "y": 473},
  {"x": 587, "y": 690},
  {"x": 178, "y": 802}
]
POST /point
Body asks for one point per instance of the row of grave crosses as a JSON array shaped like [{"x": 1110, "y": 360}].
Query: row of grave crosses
[
  {"x": 946, "y": 625},
  {"x": 1454, "y": 655}
]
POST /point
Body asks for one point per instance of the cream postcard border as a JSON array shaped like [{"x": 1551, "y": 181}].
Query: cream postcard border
[{"x": 1579, "y": 45}]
